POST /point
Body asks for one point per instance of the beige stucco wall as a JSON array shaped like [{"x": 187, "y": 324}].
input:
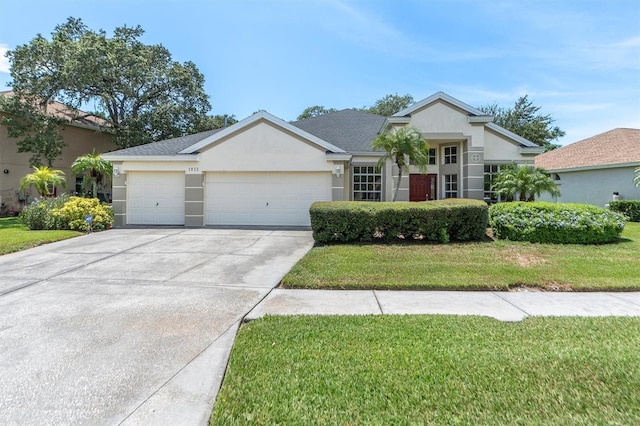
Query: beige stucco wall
[
  {"x": 500, "y": 150},
  {"x": 264, "y": 147},
  {"x": 441, "y": 120},
  {"x": 79, "y": 141}
]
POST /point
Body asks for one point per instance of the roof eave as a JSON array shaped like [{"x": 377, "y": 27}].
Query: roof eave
[
  {"x": 439, "y": 96},
  {"x": 151, "y": 158},
  {"x": 504, "y": 132},
  {"x": 591, "y": 167},
  {"x": 527, "y": 150},
  {"x": 338, "y": 156}
]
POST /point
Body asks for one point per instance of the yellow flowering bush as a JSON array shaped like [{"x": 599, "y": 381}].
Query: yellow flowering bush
[{"x": 75, "y": 211}]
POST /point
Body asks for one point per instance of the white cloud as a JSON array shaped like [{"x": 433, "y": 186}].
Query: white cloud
[{"x": 4, "y": 61}]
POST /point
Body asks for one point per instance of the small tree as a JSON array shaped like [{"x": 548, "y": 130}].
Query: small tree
[
  {"x": 94, "y": 166},
  {"x": 44, "y": 179},
  {"x": 403, "y": 146},
  {"x": 390, "y": 104},
  {"x": 525, "y": 181},
  {"x": 314, "y": 111}
]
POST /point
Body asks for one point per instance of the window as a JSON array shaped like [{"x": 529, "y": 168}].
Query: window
[
  {"x": 450, "y": 186},
  {"x": 432, "y": 156},
  {"x": 367, "y": 183},
  {"x": 491, "y": 171},
  {"x": 450, "y": 154}
]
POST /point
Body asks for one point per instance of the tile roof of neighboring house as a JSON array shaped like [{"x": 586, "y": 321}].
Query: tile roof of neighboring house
[
  {"x": 617, "y": 146},
  {"x": 169, "y": 146},
  {"x": 73, "y": 116},
  {"x": 348, "y": 129}
]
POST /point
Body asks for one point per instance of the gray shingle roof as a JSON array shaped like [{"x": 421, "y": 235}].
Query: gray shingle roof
[
  {"x": 169, "y": 146},
  {"x": 348, "y": 129}
]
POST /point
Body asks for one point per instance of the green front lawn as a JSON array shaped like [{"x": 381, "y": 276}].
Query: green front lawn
[
  {"x": 15, "y": 236},
  {"x": 432, "y": 370},
  {"x": 496, "y": 265}
]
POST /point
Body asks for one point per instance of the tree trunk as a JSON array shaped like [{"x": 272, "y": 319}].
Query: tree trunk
[
  {"x": 95, "y": 188},
  {"x": 395, "y": 194}
]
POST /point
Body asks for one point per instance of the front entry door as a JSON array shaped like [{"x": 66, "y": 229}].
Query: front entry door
[{"x": 423, "y": 187}]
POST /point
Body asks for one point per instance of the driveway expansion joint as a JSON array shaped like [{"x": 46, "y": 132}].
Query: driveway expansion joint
[{"x": 526, "y": 314}]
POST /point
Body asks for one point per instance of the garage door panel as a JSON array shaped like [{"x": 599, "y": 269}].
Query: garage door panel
[
  {"x": 155, "y": 198},
  {"x": 276, "y": 199}
]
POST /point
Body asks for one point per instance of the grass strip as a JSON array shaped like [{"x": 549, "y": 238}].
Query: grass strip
[
  {"x": 432, "y": 370},
  {"x": 491, "y": 265},
  {"x": 15, "y": 236}
]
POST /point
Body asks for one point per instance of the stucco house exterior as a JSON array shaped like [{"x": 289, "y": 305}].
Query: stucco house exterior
[
  {"x": 81, "y": 137},
  {"x": 264, "y": 171},
  {"x": 592, "y": 170}
]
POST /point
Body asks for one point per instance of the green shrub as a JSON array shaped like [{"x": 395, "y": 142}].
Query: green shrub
[
  {"x": 441, "y": 221},
  {"x": 559, "y": 223},
  {"x": 38, "y": 215},
  {"x": 630, "y": 208},
  {"x": 75, "y": 210},
  {"x": 65, "y": 212}
]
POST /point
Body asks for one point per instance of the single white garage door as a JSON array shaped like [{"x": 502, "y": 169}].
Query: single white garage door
[
  {"x": 272, "y": 199},
  {"x": 155, "y": 198}
]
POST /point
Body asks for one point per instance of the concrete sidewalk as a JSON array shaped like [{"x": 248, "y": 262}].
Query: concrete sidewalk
[{"x": 504, "y": 306}]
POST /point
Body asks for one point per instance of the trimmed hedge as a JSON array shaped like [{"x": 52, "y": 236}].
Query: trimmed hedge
[
  {"x": 559, "y": 223},
  {"x": 629, "y": 208},
  {"x": 362, "y": 221}
]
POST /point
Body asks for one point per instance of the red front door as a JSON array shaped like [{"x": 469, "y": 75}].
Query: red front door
[{"x": 423, "y": 187}]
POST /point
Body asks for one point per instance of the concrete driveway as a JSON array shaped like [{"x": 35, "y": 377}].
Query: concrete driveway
[{"x": 130, "y": 326}]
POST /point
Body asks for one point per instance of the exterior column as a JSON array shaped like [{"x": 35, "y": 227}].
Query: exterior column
[
  {"x": 194, "y": 200},
  {"x": 119, "y": 196},
  {"x": 473, "y": 172}
]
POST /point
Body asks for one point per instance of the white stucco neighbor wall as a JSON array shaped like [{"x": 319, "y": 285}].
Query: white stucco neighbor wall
[
  {"x": 595, "y": 186},
  {"x": 264, "y": 147}
]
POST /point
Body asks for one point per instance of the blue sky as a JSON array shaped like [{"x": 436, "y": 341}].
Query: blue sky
[{"x": 579, "y": 60}]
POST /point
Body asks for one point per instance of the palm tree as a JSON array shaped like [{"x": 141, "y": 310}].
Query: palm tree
[
  {"x": 95, "y": 167},
  {"x": 404, "y": 146},
  {"x": 44, "y": 179},
  {"x": 525, "y": 181}
]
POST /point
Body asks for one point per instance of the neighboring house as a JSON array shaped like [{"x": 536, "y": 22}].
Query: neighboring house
[
  {"x": 591, "y": 171},
  {"x": 81, "y": 138},
  {"x": 265, "y": 171}
]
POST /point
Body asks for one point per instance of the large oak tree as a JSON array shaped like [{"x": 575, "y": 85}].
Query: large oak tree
[
  {"x": 140, "y": 91},
  {"x": 385, "y": 106}
]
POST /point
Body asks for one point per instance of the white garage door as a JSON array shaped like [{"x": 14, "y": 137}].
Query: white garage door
[
  {"x": 155, "y": 198},
  {"x": 273, "y": 199}
]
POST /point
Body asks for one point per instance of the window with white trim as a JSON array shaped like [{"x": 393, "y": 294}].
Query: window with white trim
[
  {"x": 450, "y": 155},
  {"x": 432, "y": 156},
  {"x": 491, "y": 172},
  {"x": 450, "y": 186},
  {"x": 367, "y": 183}
]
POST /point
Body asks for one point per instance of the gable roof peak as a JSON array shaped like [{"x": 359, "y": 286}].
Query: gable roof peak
[
  {"x": 254, "y": 118},
  {"x": 442, "y": 97}
]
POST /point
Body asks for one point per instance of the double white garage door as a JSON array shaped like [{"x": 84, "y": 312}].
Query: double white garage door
[{"x": 272, "y": 199}]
